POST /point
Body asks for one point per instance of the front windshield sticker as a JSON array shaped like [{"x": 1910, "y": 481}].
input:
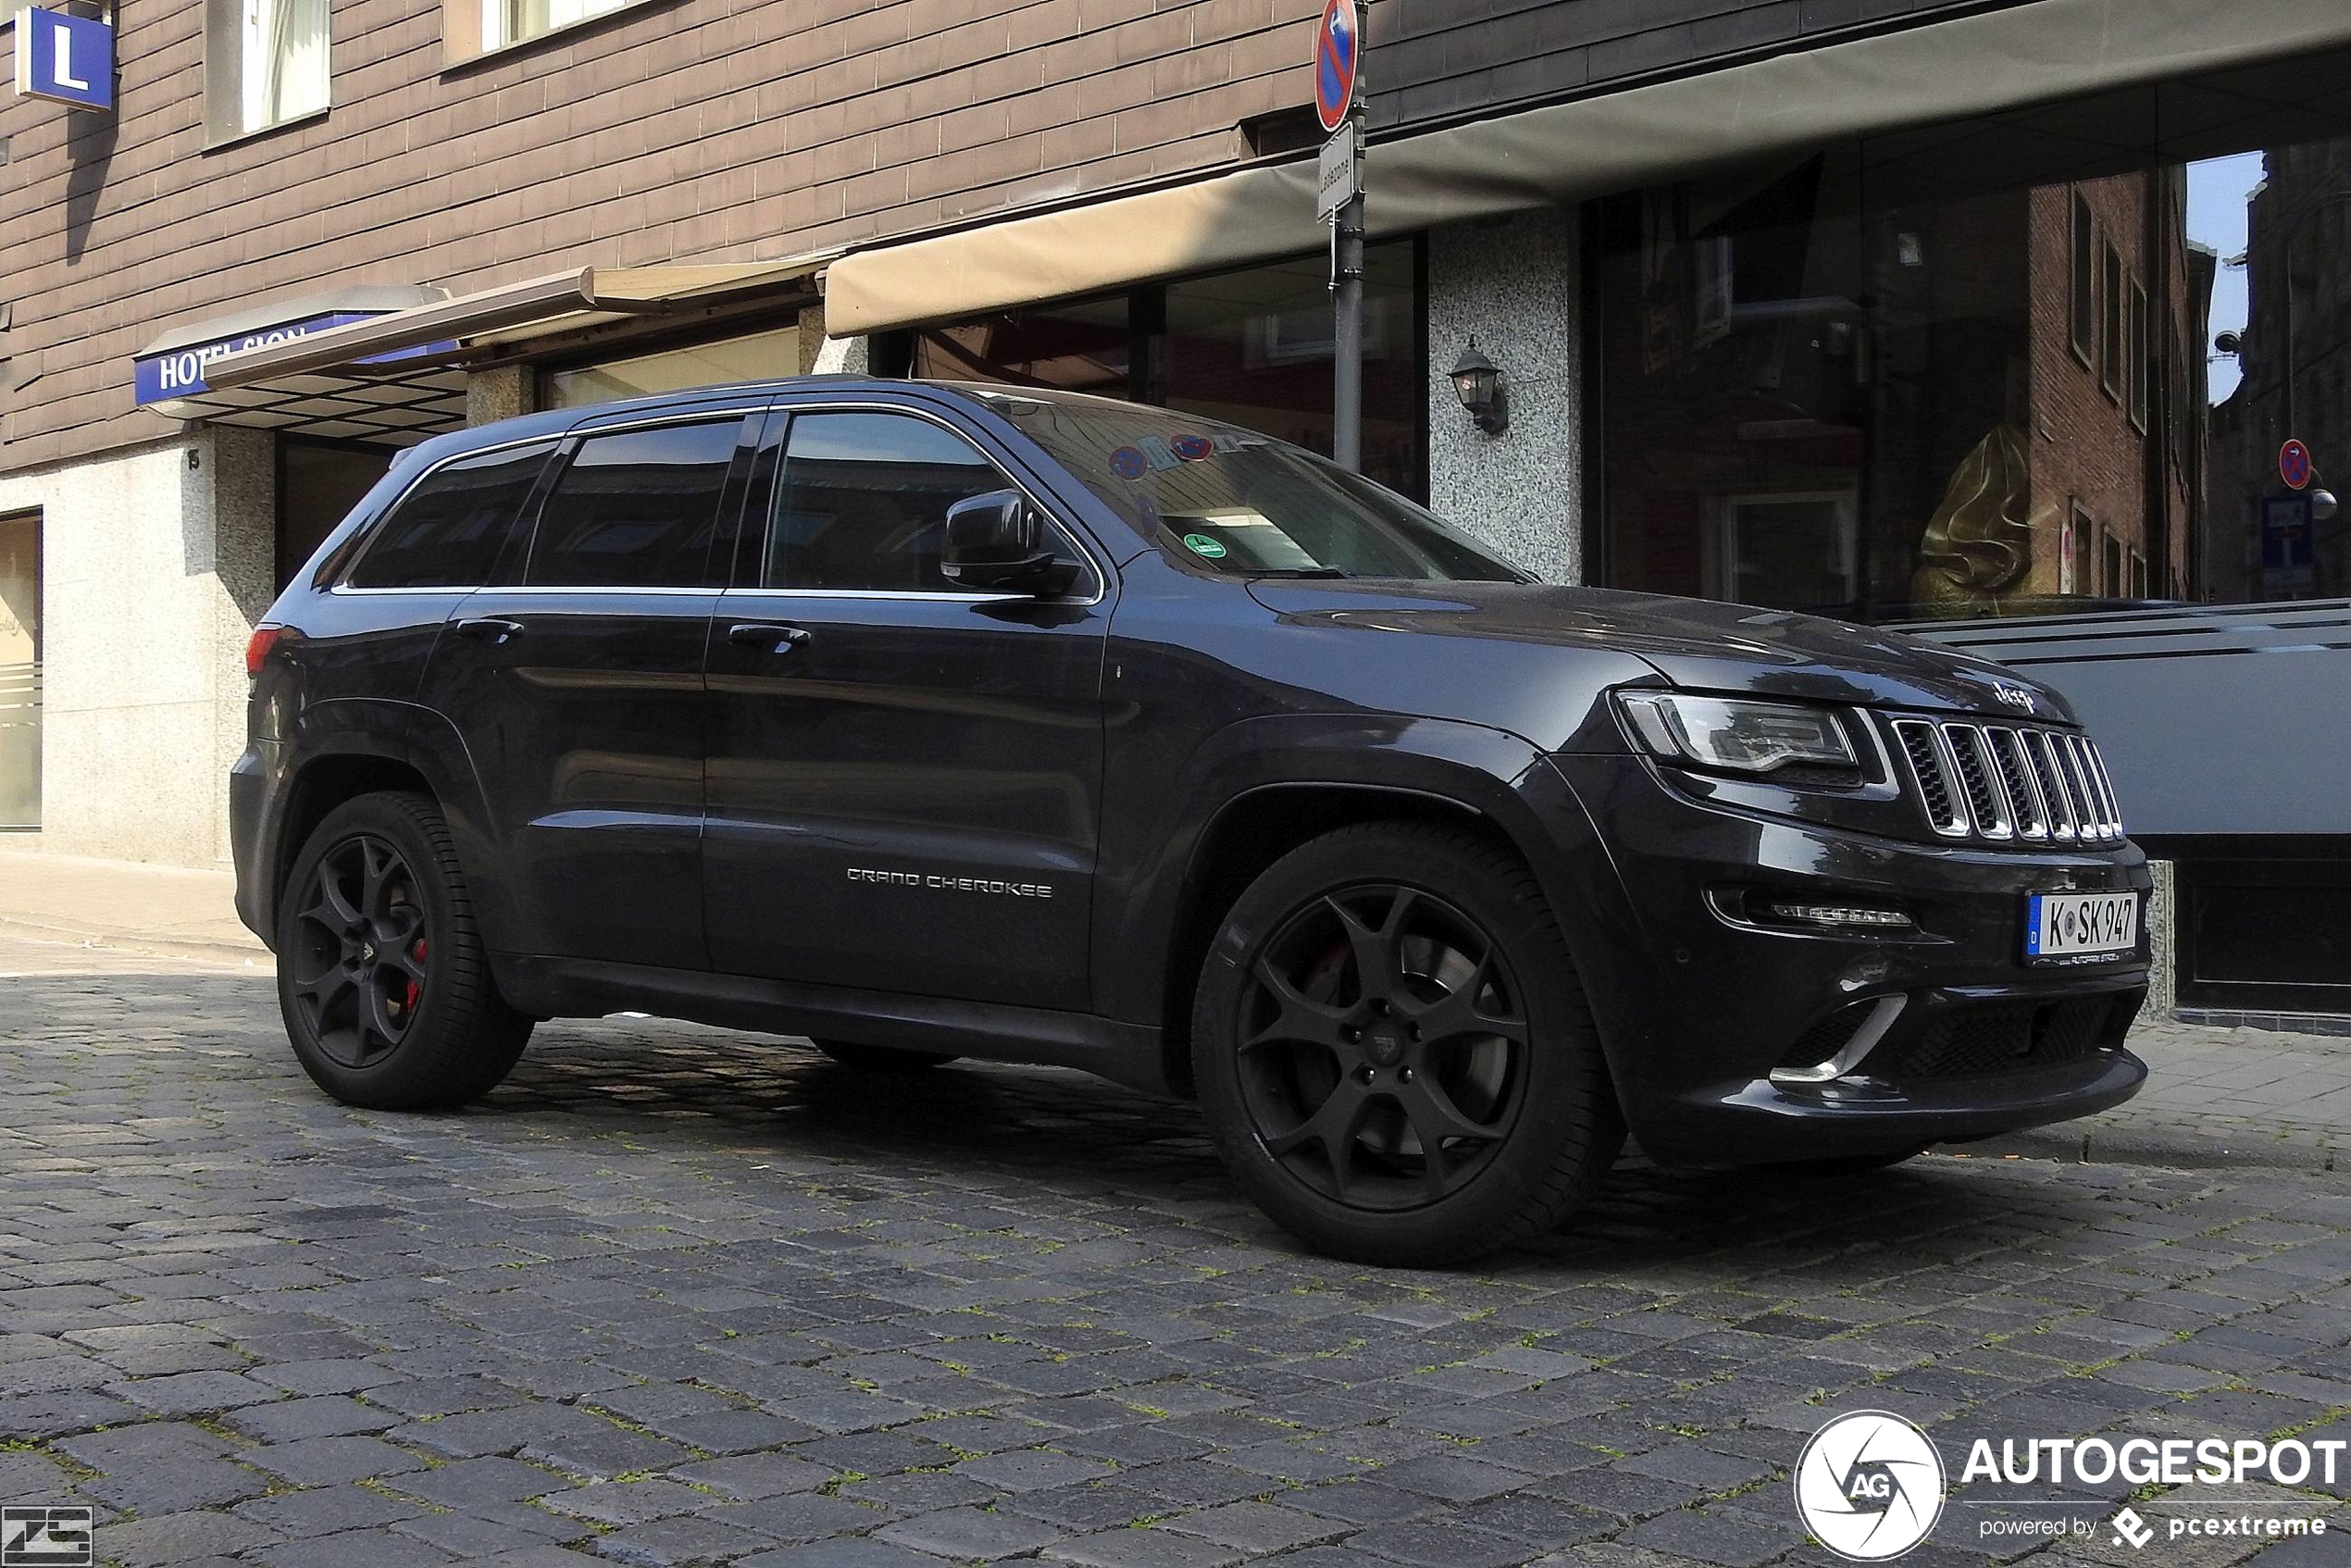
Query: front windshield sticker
[
  {"x": 1128, "y": 463},
  {"x": 1200, "y": 544},
  {"x": 1191, "y": 449},
  {"x": 1157, "y": 453}
]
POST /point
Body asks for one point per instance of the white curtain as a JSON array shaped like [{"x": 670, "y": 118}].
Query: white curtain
[{"x": 285, "y": 60}]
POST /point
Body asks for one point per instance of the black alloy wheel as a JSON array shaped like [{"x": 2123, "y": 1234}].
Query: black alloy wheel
[
  {"x": 1382, "y": 1047},
  {"x": 1394, "y": 1052},
  {"x": 382, "y": 976},
  {"x": 364, "y": 951}
]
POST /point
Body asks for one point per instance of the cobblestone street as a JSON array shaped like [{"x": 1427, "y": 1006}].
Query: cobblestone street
[{"x": 677, "y": 1296}]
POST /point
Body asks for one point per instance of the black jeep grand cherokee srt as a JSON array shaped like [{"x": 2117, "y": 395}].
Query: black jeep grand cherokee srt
[{"x": 930, "y": 720}]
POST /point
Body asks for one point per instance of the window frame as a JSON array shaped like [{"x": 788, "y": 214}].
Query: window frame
[
  {"x": 2082, "y": 285},
  {"x": 224, "y": 78},
  {"x": 2114, "y": 372},
  {"x": 726, "y": 521},
  {"x": 2140, "y": 372},
  {"x": 767, "y": 483}
]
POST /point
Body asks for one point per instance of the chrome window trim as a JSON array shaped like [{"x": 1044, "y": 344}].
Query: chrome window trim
[{"x": 1054, "y": 519}]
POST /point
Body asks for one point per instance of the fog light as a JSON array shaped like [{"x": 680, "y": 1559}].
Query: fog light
[{"x": 1832, "y": 915}]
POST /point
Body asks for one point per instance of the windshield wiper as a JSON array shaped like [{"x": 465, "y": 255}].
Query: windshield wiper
[{"x": 1295, "y": 571}]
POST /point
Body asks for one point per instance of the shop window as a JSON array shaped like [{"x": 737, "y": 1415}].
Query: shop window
[
  {"x": 319, "y": 483},
  {"x": 1253, "y": 347},
  {"x": 756, "y": 357},
  {"x": 2085, "y": 312},
  {"x": 634, "y": 509},
  {"x": 20, "y": 672},
  {"x": 1970, "y": 359},
  {"x": 448, "y": 529},
  {"x": 265, "y": 64}
]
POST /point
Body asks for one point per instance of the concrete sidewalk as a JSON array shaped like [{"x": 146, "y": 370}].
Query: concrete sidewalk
[
  {"x": 124, "y": 906},
  {"x": 2215, "y": 1097}
]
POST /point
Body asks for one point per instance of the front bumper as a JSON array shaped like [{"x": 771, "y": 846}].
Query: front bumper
[{"x": 1698, "y": 1006}]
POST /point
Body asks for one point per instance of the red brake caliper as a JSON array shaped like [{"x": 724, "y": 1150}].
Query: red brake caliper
[{"x": 415, "y": 988}]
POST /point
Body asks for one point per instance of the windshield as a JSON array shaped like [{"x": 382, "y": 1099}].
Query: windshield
[{"x": 1237, "y": 501}]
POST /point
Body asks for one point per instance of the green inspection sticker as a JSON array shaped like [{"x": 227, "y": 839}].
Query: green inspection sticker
[{"x": 1200, "y": 544}]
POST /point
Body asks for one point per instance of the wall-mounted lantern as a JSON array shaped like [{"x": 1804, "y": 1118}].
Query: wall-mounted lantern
[{"x": 1484, "y": 390}]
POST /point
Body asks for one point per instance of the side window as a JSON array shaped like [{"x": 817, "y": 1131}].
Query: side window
[
  {"x": 447, "y": 530},
  {"x": 634, "y": 509},
  {"x": 863, "y": 503}
]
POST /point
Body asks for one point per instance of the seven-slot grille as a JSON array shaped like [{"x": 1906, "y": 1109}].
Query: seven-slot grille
[{"x": 2008, "y": 783}]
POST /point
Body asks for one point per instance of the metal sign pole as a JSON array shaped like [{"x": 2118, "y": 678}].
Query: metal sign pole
[
  {"x": 1347, "y": 285},
  {"x": 1347, "y": 276}
]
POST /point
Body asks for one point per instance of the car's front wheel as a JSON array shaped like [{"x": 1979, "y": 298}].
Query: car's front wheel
[
  {"x": 1393, "y": 1051},
  {"x": 381, "y": 974}
]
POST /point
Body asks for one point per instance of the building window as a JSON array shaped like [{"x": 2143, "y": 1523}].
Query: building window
[
  {"x": 2113, "y": 341},
  {"x": 756, "y": 357},
  {"x": 265, "y": 64},
  {"x": 2140, "y": 370},
  {"x": 2085, "y": 291},
  {"x": 511, "y": 21},
  {"x": 20, "y": 672},
  {"x": 1252, "y": 347}
]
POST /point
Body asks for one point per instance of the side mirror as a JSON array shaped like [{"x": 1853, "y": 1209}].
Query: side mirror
[{"x": 997, "y": 542}]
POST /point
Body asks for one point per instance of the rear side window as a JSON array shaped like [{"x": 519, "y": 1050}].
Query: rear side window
[
  {"x": 636, "y": 509},
  {"x": 447, "y": 530}
]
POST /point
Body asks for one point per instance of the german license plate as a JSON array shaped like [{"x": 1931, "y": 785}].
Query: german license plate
[{"x": 2061, "y": 926}]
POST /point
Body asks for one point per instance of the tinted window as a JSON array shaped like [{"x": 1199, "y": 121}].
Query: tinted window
[
  {"x": 634, "y": 509},
  {"x": 446, "y": 532},
  {"x": 863, "y": 502}
]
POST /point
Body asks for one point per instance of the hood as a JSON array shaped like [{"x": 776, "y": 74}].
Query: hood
[{"x": 1694, "y": 644}]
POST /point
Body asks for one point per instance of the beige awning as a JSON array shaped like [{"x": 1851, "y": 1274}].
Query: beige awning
[{"x": 1996, "y": 60}]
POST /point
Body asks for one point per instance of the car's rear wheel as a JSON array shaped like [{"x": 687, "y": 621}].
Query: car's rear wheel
[
  {"x": 1394, "y": 1052},
  {"x": 880, "y": 1058},
  {"x": 381, "y": 974}
]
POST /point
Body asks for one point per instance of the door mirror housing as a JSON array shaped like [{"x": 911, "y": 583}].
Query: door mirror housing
[{"x": 997, "y": 543}]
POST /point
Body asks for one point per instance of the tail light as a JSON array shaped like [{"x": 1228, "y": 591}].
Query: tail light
[{"x": 259, "y": 645}]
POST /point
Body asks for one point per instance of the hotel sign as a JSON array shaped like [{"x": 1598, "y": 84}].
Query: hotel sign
[
  {"x": 158, "y": 377},
  {"x": 66, "y": 59}
]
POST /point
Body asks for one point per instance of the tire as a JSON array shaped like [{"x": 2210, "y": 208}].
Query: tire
[
  {"x": 880, "y": 1058},
  {"x": 1845, "y": 1164},
  {"x": 381, "y": 975},
  {"x": 1473, "y": 996}
]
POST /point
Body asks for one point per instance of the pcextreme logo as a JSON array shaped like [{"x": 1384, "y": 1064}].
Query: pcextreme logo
[{"x": 1869, "y": 1486}]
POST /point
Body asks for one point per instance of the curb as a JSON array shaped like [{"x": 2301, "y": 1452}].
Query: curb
[
  {"x": 2154, "y": 1146},
  {"x": 248, "y": 953}
]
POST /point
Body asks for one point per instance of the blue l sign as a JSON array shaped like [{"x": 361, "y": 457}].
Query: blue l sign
[{"x": 68, "y": 58}]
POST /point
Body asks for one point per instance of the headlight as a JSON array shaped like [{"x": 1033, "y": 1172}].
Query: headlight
[{"x": 1739, "y": 735}]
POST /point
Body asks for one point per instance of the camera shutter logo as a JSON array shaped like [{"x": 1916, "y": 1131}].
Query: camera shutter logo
[
  {"x": 1869, "y": 1486},
  {"x": 46, "y": 1538}
]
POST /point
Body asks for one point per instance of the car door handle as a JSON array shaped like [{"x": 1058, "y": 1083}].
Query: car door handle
[
  {"x": 488, "y": 628},
  {"x": 773, "y": 635}
]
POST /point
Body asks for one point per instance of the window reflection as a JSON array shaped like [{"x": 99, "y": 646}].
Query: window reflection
[{"x": 1971, "y": 369}]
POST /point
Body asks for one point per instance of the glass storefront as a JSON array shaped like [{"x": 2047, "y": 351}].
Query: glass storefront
[
  {"x": 756, "y": 357},
  {"x": 1253, "y": 347},
  {"x": 20, "y": 672},
  {"x": 2003, "y": 367}
]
